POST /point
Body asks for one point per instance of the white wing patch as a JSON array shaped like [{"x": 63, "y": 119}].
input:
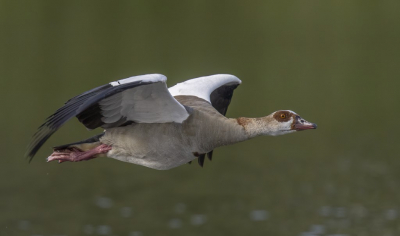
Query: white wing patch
[
  {"x": 148, "y": 103},
  {"x": 202, "y": 87},
  {"x": 144, "y": 78}
]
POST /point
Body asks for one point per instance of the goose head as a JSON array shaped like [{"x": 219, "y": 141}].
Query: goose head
[{"x": 285, "y": 122}]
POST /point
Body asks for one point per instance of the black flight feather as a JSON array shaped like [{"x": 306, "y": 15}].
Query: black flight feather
[
  {"x": 221, "y": 97},
  {"x": 200, "y": 159},
  {"x": 209, "y": 155}
]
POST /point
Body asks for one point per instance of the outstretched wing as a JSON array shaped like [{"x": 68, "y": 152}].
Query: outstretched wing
[
  {"x": 140, "y": 99},
  {"x": 216, "y": 89}
]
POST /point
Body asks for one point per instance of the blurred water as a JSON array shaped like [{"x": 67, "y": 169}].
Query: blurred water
[
  {"x": 126, "y": 212},
  {"x": 259, "y": 215},
  {"x": 104, "y": 202},
  {"x": 198, "y": 219},
  {"x": 336, "y": 63}
]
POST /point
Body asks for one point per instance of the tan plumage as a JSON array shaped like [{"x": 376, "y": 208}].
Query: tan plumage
[{"x": 167, "y": 145}]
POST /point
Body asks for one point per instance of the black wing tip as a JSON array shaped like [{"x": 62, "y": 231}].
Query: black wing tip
[
  {"x": 30, "y": 153},
  {"x": 222, "y": 96},
  {"x": 38, "y": 139},
  {"x": 57, "y": 119},
  {"x": 200, "y": 159},
  {"x": 209, "y": 155},
  {"x": 30, "y": 158}
]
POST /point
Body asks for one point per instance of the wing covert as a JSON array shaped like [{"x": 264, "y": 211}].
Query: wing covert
[{"x": 203, "y": 87}]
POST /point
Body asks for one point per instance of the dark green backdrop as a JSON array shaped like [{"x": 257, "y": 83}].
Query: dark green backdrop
[{"x": 336, "y": 63}]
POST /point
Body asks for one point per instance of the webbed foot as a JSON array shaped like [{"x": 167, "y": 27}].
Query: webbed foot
[{"x": 74, "y": 154}]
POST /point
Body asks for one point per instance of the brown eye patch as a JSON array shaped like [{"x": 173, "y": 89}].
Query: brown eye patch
[{"x": 282, "y": 116}]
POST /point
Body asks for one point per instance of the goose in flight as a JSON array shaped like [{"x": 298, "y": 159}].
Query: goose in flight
[{"x": 150, "y": 125}]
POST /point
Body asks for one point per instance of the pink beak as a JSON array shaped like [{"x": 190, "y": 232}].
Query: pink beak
[{"x": 302, "y": 124}]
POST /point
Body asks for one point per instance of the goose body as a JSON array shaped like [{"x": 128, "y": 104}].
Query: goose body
[
  {"x": 168, "y": 145},
  {"x": 147, "y": 124}
]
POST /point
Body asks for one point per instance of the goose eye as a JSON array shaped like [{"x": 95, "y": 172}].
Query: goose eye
[{"x": 283, "y": 116}]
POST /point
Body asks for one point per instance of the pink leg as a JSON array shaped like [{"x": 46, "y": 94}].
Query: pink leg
[{"x": 75, "y": 155}]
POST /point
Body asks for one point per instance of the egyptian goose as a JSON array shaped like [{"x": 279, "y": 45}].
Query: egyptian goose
[{"x": 150, "y": 125}]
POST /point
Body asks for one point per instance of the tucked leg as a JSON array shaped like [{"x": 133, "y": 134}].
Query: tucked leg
[{"x": 75, "y": 155}]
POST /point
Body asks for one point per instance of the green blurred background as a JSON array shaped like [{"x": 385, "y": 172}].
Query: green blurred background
[{"x": 336, "y": 63}]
